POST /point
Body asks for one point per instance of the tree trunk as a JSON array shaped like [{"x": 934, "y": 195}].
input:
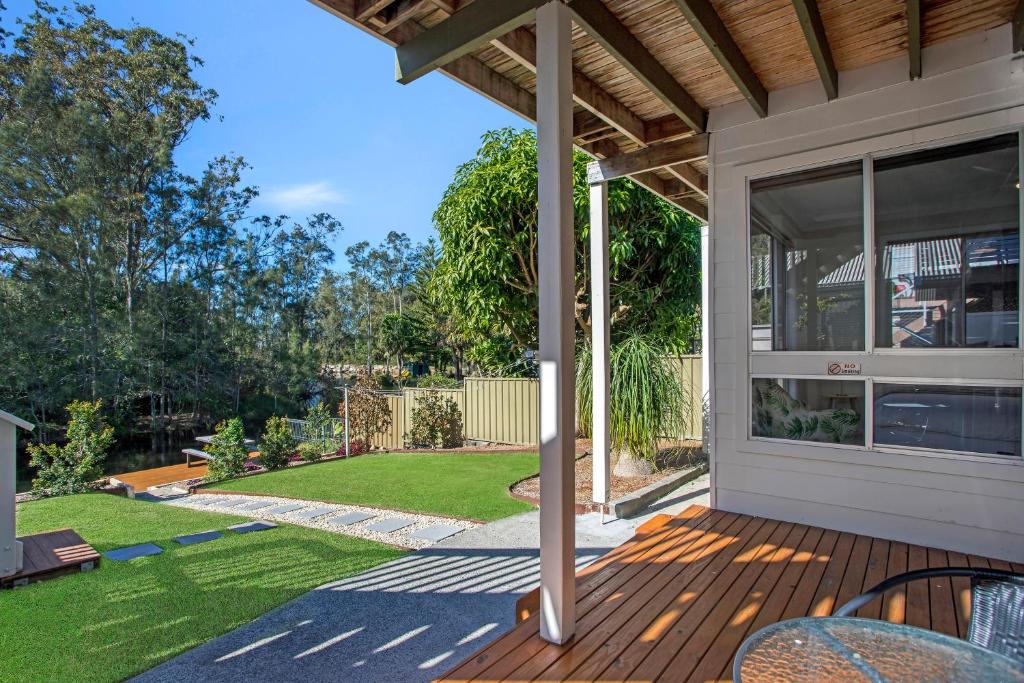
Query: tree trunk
[{"x": 628, "y": 466}]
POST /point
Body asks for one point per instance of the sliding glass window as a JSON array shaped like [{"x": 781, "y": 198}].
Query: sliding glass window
[
  {"x": 947, "y": 247},
  {"x": 807, "y": 260}
]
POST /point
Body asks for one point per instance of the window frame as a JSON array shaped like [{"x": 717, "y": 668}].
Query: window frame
[{"x": 778, "y": 167}]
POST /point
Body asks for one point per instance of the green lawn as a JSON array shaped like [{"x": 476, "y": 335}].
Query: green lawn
[
  {"x": 126, "y": 617},
  {"x": 473, "y": 485}
]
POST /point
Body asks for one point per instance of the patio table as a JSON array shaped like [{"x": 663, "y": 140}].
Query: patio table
[{"x": 853, "y": 649}]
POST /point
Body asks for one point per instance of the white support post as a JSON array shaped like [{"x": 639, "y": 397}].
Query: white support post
[
  {"x": 10, "y": 547},
  {"x": 555, "y": 248},
  {"x": 600, "y": 340},
  {"x": 705, "y": 312}
]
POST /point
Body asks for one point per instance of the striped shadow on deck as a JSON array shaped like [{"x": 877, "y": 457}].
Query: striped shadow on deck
[{"x": 675, "y": 602}]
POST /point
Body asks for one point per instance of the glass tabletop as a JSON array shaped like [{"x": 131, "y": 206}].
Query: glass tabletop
[{"x": 870, "y": 650}]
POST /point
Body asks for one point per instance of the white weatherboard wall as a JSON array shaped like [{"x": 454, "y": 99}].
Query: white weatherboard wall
[{"x": 971, "y": 87}]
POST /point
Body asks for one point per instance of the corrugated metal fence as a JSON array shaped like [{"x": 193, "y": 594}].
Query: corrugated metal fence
[{"x": 507, "y": 410}]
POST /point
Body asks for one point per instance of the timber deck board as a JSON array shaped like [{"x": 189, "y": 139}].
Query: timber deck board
[
  {"x": 52, "y": 554},
  {"x": 158, "y": 476},
  {"x": 677, "y": 600}
]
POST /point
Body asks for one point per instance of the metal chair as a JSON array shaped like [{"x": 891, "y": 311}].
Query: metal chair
[{"x": 997, "y": 605}]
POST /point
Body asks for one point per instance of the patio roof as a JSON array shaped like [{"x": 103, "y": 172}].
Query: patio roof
[{"x": 646, "y": 72}]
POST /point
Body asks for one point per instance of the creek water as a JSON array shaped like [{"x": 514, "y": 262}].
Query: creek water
[{"x": 127, "y": 455}]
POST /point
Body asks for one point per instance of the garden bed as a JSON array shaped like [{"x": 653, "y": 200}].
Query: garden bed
[{"x": 528, "y": 490}]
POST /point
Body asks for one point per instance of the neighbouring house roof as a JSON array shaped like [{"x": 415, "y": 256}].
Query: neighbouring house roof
[{"x": 647, "y": 71}]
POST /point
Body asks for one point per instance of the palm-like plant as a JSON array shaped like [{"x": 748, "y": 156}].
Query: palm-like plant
[{"x": 647, "y": 401}]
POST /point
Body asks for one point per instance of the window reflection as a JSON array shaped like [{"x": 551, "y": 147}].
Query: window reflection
[
  {"x": 827, "y": 411},
  {"x": 946, "y": 226}
]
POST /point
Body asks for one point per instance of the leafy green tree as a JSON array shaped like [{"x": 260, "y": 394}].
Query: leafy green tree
[
  {"x": 487, "y": 274},
  {"x": 72, "y": 467}
]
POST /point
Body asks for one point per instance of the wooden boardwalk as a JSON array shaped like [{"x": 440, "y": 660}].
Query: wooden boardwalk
[
  {"x": 675, "y": 602},
  {"x": 138, "y": 482},
  {"x": 51, "y": 554}
]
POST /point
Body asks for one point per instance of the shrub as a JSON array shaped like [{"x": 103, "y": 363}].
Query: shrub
[
  {"x": 276, "y": 444},
  {"x": 318, "y": 420},
  {"x": 436, "y": 421},
  {"x": 228, "y": 451},
  {"x": 71, "y": 468},
  {"x": 369, "y": 414},
  {"x": 436, "y": 381},
  {"x": 310, "y": 452},
  {"x": 646, "y": 399}
]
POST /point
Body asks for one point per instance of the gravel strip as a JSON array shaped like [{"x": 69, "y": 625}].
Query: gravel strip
[{"x": 402, "y": 537}]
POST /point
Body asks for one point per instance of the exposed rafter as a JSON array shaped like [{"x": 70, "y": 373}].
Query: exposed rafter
[
  {"x": 402, "y": 11},
  {"x": 605, "y": 28},
  {"x": 691, "y": 177},
  {"x": 521, "y": 45},
  {"x": 460, "y": 34},
  {"x": 817, "y": 40},
  {"x": 709, "y": 27},
  {"x": 367, "y": 8},
  {"x": 649, "y": 158},
  {"x": 914, "y": 37}
]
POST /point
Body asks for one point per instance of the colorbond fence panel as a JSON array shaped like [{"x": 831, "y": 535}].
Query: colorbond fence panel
[
  {"x": 502, "y": 410},
  {"x": 507, "y": 409}
]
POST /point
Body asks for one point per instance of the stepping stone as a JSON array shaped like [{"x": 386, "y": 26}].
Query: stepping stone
[
  {"x": 201, "y": 537},
  {"x": 389, "y": 525},
  {"x": 247, "y": 527},
  {"x": 133, "y": 551},
  {"x": 255, "y": 505},
  {"x": 281, "y": 509},
  {"x": 230, "y": 503},
  {"x": 313, "y": 513},
  {"x": 208, "y": 501},
  {"x": 351, "y": 518},
  {"x": 436, "y": 532}
]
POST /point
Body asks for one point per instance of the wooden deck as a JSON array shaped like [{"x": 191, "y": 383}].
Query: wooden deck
[
  {"x": 158, "y": 476},
  {"x": 51, "y": 554},
  {"x": 675, "y": 602}
]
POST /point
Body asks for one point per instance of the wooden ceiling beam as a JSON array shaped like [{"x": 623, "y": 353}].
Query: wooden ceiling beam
[
  {"x": 521, "y": 46},
  {"x": 706, "y": 23},
  {"x": 458, "y": 35},
  {"x": 914, "y": 37},
  {"x": 605, "y": 28},
  {"x": 402, "y": 11},
  {"x": 649, "y": 158},
  {"x": 691, "y": 177},
  {"x": 365, "y": 9},
  {"x": 817, "y": 40}
]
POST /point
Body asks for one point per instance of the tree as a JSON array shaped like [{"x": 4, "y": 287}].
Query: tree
[
  {"x": 487, "y": 273},
  {"x": 228, "y": 450},
  {"x": 73, "y": 467},
  {"x": 276, "y": 443}
]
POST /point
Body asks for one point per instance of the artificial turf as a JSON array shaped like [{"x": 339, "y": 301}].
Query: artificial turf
[
  {"x": 470, "y": 485},
  {"x": 125, "y": 617}
]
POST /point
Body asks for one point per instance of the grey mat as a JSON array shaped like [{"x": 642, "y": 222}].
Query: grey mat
[
  {"x": 256, "y": 505},
  {"x": 436, "y": 532},
  {"x": 312, "y": 513},
  {"x": 200, "y": 537},
  {"x": 133, "y": 551},
  {"x": 388, "y": 525},
  {"x": 281, "y": 509},
  {"x": 351, "y": 518},
  {"x": 247, "y": 527}
]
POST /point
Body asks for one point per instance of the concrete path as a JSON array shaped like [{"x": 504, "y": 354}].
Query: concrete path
[{"x": 407, "y": 620}]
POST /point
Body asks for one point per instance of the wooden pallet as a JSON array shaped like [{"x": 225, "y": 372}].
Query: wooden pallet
[
  {"x": 676, "y": 601},
  {"x": 51, "y": 554}
]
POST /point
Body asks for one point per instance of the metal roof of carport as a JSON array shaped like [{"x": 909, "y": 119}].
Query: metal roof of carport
[{"x": 646, "y": 72}]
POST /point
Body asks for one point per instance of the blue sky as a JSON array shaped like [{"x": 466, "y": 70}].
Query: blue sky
[{"x": 312, "y": 104}]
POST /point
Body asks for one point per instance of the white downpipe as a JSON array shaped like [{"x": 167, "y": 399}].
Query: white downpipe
[
  {"x": 600, "y": 339},
  {"x": 555, "y": 249}
]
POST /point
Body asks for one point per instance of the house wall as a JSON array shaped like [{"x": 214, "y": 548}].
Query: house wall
[{"x": 975, "y": 504}]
